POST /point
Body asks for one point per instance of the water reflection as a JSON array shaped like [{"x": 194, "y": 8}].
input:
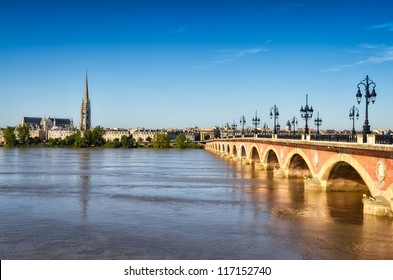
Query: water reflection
[
  {"x": 287, "y": 197},
  {"x": 84, "y": 181},
  {"x": 345, "y": 207},
  {"x": 315, "y": 207},
  {"x": 146, "y": 204},
  {"x": 373, "y": 234}
]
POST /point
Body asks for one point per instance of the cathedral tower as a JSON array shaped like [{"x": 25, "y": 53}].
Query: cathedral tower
[{"x": 85, "y": 110}]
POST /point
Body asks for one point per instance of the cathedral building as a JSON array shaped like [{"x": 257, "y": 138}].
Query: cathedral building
[
  {"x": 48, "y": 128},
  {"x": 85, "y": 110}
]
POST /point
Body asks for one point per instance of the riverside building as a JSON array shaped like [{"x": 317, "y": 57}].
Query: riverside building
[
  {"x": 48, "y": 128},
  {"x": 110, "y": 134},
  {"x": 147, "y": 135}
]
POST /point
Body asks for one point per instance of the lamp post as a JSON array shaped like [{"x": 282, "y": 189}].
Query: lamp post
[
  {"x": 274, "y": 113},
  {"x": 306, "y": 113},
  {"x": 234, "y": 126},
  {"x": 318, "y": 122},
  {"x": 278, "y": 126},
  {"x": 294, "y": 124},
  {"x": 226, "y": 129},
  {"x": 255, "y": 122},
  {"x": 353, "y": 112},
  {"x": 242, "y": 123},
  {"x": 369, "y": 97}
]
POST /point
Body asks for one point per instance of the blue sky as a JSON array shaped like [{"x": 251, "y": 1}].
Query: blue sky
[{"x": 192, "y": 63}]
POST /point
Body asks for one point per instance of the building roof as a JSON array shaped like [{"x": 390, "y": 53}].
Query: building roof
[
  {"x": 61, "y": 122},
  {"x": 32, "y": 120}
]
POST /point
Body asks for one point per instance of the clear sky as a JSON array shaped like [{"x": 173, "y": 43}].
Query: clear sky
[{"x": 187, "y": 63}]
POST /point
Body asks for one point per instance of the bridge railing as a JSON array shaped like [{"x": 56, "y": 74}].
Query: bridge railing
[
  {"x": 384, "y": 139},
  {"x": 264, "y": 135},
  {"x": 348, "y": 138},
  {"x": 345, "y": 138},
  {"x": 289, "y": 136}
]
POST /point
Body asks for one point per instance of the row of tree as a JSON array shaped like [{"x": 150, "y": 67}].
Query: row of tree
[
  {"x": 89, "y": 138},
  {"x": 162, "y": 141}
]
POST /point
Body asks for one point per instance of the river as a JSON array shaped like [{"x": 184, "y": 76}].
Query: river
[{"x": 173, "y": 204}]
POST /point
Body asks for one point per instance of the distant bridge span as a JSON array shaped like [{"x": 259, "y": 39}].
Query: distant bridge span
[{"x": 324, "y": 165}]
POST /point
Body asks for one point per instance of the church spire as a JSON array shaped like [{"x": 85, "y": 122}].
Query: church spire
[
  {"x": 85, "y": 110},
  {"x": 86, "y": 95}
]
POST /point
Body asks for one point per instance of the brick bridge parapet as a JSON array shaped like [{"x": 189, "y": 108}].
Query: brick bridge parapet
[{"x": 319, "y": 162}]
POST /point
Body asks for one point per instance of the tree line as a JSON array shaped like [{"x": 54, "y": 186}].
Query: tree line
[{"x": 88, "y": 138}]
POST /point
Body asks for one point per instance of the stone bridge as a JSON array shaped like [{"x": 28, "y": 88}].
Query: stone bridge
[{"x": 327, "y": 166}]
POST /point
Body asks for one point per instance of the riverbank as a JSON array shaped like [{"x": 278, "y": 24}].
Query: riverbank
[{"x": 109, "y": 146}]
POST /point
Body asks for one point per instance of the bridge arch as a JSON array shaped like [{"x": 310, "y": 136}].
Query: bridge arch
[
  {"x": 243, "y": 152},
  {"x": 228, "y": 150},
  {"x": 327, "y": 166},
  {"x": 234, "y": 151},
  {"x": 343, "y": 177},
  {"x": 298, "y": 164},
  {"x": 339, "y": 160},
  {"x": 270, "y": 158},
  {"x": 254, "y": 154}
]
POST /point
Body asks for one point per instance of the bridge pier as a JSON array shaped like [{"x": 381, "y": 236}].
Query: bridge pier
[
  {"x": 324, "y": 166},
  {"x": 246, "y": 161},
  {"x": 280, "y": 172},
  {"x": 259, "y": 166},
  {"x": 377, "y": 206},
  {"x": 310, "y": 183},
  {"x": 313, "y": 184}
]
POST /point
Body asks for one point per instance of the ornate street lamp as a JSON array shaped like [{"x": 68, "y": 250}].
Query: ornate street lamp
[
  {"x": 255, "y": 122},
  {"x": 226, "y": 129},
  {"x": 278, "y": 127},
  {"x": 306, "y": 113},
  {"x": 234, "y": 126},
  {"x": 353, "y": 112},
  {"x": 274, "y": 113},
  {"x": 294, "y": 124},
  {"x": 369, "y": 97},
  {"x": 242, "y": 123},
  {"x": 318, "y": 123}
]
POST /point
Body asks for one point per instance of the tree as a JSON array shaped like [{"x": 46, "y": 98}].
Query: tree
[
  {"x": 97, "y": 134},
  {"x": 113, "y": 144},
  {"x": 77, "y": 137},
  {"x": 54, "y": 142},
  {"x": 161, "y": 141},
  {"x": 23, "y": 134},
  {"x": 9, "y": 136},
  {"x": 87, "y": 139},
  {"x": 181, "y": 141},
  {"x": 69, "y": 140},
  {"x": 35, "y": 141},
  {"x": 126, "y": 142}
]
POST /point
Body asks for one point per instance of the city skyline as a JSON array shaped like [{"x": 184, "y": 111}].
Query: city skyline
[{"x": 195, "y": 63}]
